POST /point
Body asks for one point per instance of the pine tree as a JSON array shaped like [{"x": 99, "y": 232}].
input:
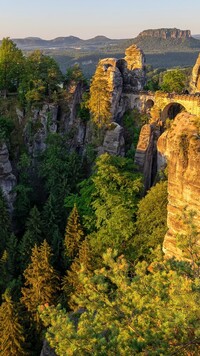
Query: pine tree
[
  {"x": 52, "y": 233},
  {"x": 8, "y": 263},
  {"x": 41, "y": 281},
  {"x": 11, "y": 331},
  {"x": 73, "y": 234},
  {"x": 32, "y": 236},
  {"x": 71, "y": 282}
]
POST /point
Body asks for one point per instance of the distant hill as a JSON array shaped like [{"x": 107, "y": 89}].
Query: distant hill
[
  {"x": 164, "y": 47},
  {"x": 196, "y": 36},
  {"x": 150, "y": 41}
]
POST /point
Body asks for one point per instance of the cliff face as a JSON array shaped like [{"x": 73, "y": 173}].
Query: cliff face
[
  {"x": 181, "y": 147},
  {"x": 195, "y": 78},
  {"x": 146, "y": 153},
  {"x": 165, "y": 33},
  {"x": 52, "y": 118},
  {"x": 7, "y": 178}
]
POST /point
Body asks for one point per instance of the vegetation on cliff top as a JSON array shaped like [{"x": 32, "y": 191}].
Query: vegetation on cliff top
[{"x": 85, "y": 267}]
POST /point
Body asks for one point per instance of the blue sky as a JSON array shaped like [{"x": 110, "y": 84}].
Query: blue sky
[{"x": 87, "y": 18}]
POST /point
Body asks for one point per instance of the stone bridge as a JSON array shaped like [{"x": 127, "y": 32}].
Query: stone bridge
[
  {"x": 160, "y": 106},
  {"x": 165, "y": 105}
]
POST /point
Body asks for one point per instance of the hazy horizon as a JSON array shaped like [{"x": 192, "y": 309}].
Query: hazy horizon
[{"x": 49, "y": 19}]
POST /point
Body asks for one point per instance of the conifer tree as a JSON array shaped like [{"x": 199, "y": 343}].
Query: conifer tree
[
  {"x": 5, "y": 227},
  {"x": 11, "y": 331},
  {"x": 51, "y": 228},
  {"x": 154, "y": 313},
  {"x": 71, "y": 282},
  {"x": 8, "y": 263},
  {"x": 100, "y": 98},
  {"x": 32, "y": 236},
  {"x": 73, "y": 234},
  {"x": 41, "y": 281},
  {"x": 151, "y": 224}
]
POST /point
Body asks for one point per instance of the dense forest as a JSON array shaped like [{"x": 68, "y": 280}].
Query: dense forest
[{"x": 82, "y": 270}]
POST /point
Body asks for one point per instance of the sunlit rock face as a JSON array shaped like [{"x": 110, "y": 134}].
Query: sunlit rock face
[
  {"x": 7, "y": 178},
  {"x": 113, "y": 143},
  {"x": 114, "y": 79},
  {"x": 181, "y": 147},
  {"x": 165, "y": 33},
  {"x": 126, "y": 75},
  {"x": 134, "y": 58},
  {"x": 195, "y": 79}
]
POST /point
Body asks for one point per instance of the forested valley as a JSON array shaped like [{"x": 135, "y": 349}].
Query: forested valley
[{"x": 82, "y": 269}]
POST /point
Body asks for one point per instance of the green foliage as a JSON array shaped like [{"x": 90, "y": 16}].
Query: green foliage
[
  {"x": 83, "y": 110},
  {"x": 132, "y": 122},
  {"x": 153, "y": 313},
  {"x": 73, "y": 75},
  {"x": 173, "y": 81},
  {"x": 24, "y": 190},
  {"x": 100, "y": 99},
  {"x": 41, "y": 281},
  {"x": 73, "y": 234},
  {"x": 188, "y": 239},
  {"x": 32, "y": 236},
  {"x": 11, "y": 332},
  {"x": 84, "y": 200},
  {"x": 151, "y": 224},
  {"x": 71, "y": 281},
  {"x": 60, "y": 171},
  {"x": 6, "y": 127},
  {"x": 51, "y": 229},
  {"x": 5, "y": 223},
  {"x": 11, "y": 66},
  {"x": 117, "y": 190},
  {"x": 41, "y": 78},
  {"x": 8, "y": 263}
]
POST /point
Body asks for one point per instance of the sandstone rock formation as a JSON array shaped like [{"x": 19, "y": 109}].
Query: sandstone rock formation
[
  {"x": 146, "y": 153},
  {"x": 134, "y": 58},
  {"x": 166, "y": 33},
  {"x": 181, "y": 146},
  {"x": 7, "y": 178},
  {"x": 53, "y": 119},
  {"x": 195, "y": 78},
  {"x": 122, "y": 76},
  {"x": 114, "y": 141},
  {"x": 39, "y": 125}
]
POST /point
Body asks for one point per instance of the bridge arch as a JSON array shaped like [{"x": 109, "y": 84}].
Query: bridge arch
[
  {"x": 171, "y": 110},
  {"x": 149, "y": 104}
]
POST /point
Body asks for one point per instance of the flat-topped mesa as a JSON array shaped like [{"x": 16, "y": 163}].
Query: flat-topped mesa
[
  {"x": 195, "y": 78},
  {"x": 165, "y": 33}
]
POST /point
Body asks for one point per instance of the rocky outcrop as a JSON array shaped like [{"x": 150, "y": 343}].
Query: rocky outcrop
[
  {"x": 121, "y": 77},
  {"x": 7, "y": 178},
  {"x": 40, "y": 123},
  {"x": 165, "y": 33},
  {"x": 195, "y": 78},
  {"x": 134, "y": 58},
  {"x": 113, "y": 141},
  {"x": 47, "y": 350},
  {"x": 181, "y": 147},
  {"x": 56, "y": 119},
  {"x": 146, "y": 153}
]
